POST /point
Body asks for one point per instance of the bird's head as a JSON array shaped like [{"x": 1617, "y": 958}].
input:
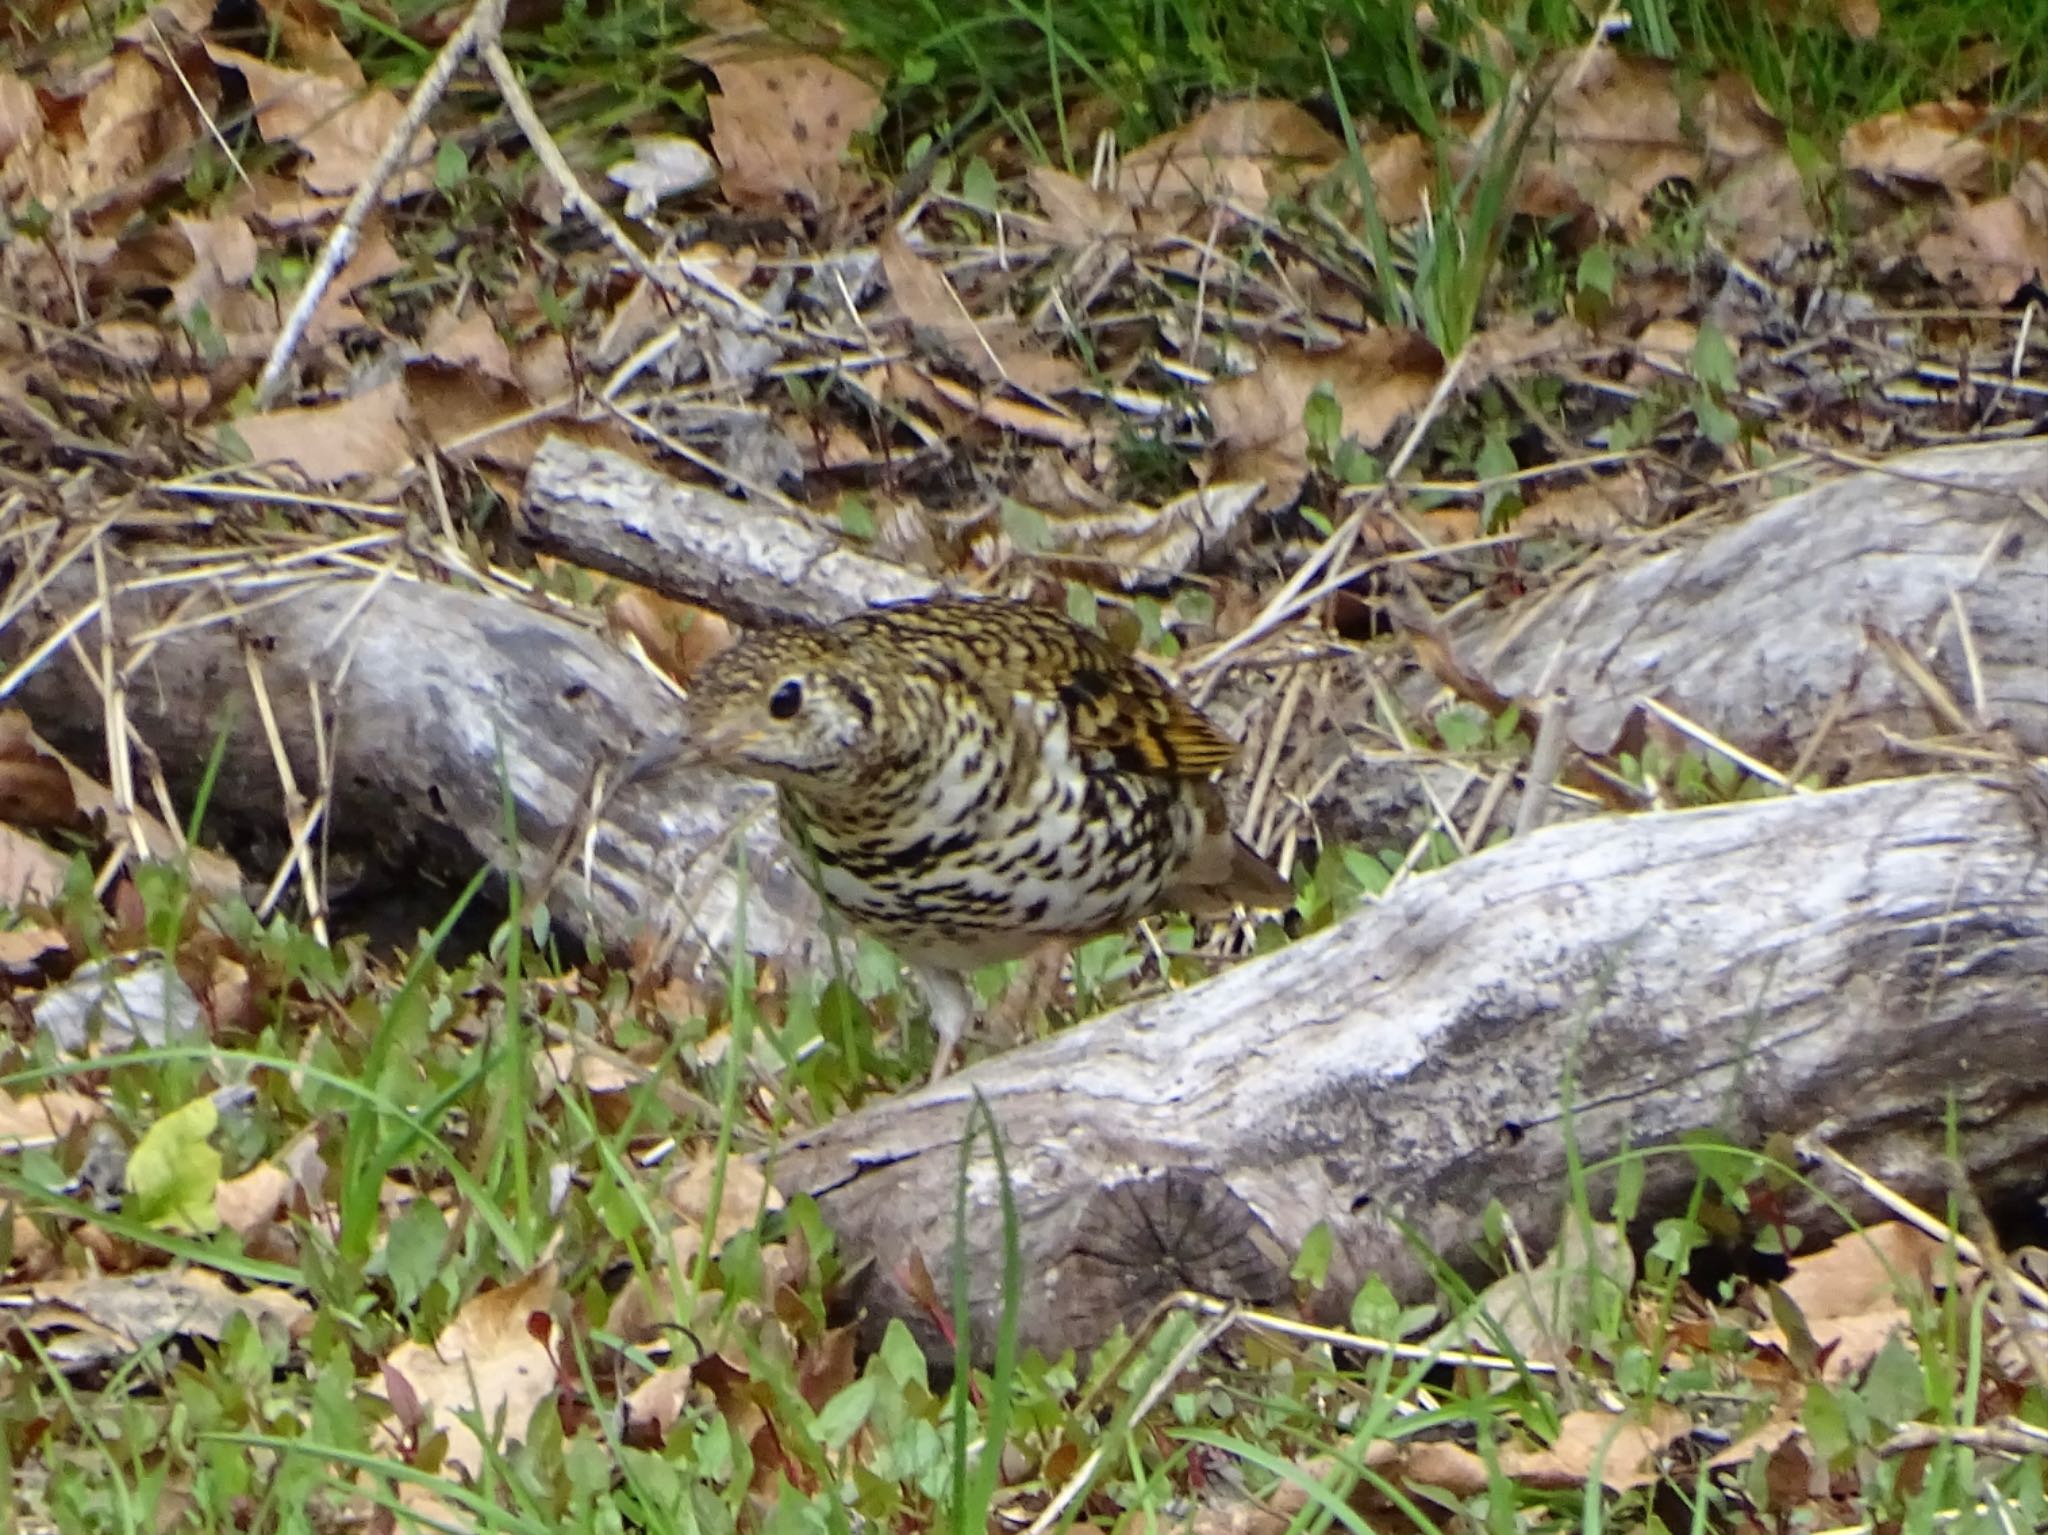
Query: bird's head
[{"x": 793, "y": 706}]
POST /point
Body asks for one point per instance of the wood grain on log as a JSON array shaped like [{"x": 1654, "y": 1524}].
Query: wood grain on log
[
  {"x": 1861, "y": 958},
  {"x": 753, "y": 563},
  {"x": 423, "y": 692},
  {"x": 1759, "y": 628}
]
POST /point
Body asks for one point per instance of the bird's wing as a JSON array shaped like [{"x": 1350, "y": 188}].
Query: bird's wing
[
  {"x": 1117, "y": 708},
  {"x": 1121, "y": 707}
]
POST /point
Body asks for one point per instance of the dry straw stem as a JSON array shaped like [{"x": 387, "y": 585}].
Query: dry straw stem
[{"x": 484, "y": 22}]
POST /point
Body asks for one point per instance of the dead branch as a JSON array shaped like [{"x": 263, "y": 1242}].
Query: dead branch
[{"x": 750, "y": 562}]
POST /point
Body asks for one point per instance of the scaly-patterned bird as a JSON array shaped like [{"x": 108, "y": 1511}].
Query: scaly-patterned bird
[{"x": 970, "y": 779}]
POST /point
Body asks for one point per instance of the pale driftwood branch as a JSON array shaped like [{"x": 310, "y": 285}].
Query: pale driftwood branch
[
  {"x": 754, "y": 563},
  {"x": 1863, "y": 959},
  {"x": 425, "y": 693},
  {"x": 1759, "y": 629}
]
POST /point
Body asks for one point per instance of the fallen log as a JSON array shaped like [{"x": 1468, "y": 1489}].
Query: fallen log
[
  {"x": 1865, "y": 959},
  {"x": 1768, "y": 629},
  {"x": 435, "y": 706},
  {"x": 753, "y": 563}
]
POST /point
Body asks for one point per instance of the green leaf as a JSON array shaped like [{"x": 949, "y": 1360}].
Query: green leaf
[
  {"x": 1355, "y": 466},
  {"x": 1895, "y": 1390},
  {"x": 1628, "y": 1188},
  {"x": 1720, "y": 425},
  {"x": 451, "y": 165},
  {"x": 1312, "y": 1263},
  {"x": 1375, "y": 1313},
  {"x": 1323, "y": 419},
  {"x": 1596, "y": 271},
  {"x": 173, "y": 1171},
  {"x": 841, "y": 1418},
  {"x": 1461, "y": 728},
  {"x": 1827, "y": 1423},
  {"x": 1026, "y": 526},
  {"x": 1496, "y": 461},
  {"x": 978, "y": 184},
  {"x": 413, "y": 1249},
  {"x": 1082, "y": 606},
  {"x": 901, "y": 1356},
  {"x": 857, "y": 518},
  {"x": 1674, "y": 1241},
  {"x": 1713, "y": 360}
]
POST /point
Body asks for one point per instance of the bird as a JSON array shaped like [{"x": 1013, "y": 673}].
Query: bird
[{"x": 969, "y": 779}]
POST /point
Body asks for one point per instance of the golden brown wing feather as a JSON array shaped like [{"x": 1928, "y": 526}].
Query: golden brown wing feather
[{"x": 1114, "y": 704}]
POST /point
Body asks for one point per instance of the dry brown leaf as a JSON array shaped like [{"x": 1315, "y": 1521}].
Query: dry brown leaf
[
  {"x": 1938, "y": 142},
  {"x": 1015, "y": 416},
  {"x": 1849, "y": 1293},
  {"x": 1241, "y": 153},
  {"x": 677, "y": 637},
  {"x": 129, "y": 115},
  {"x": 35, "y": 788},
  {"x": 1438, "y": 1463},
  {"x": 1590, "y": 507},
  {"x": 224, "y": 257},
  {"x": 1992, "y": 250},
  {"x": 470, "y": 416},
  {"x": 23, "y": 950},
  {"x": 743, "y": 1198},
  {"x": 1735, "y": 121},
  {"x": 1625, "y": 1450},
  {"x": 468, "y": 342},
  {"x": 1861, "y": 19},
  {"x": 1377, "y": 379},
  {"x": 140, "y": 1310},
  {"x": 365, "y": 436},
  {"x": 43, "y": 1118},
  {"x": 1761, "y": 207},
  {"x": 335, "y": 117},
  {"x": 21, "y": 115},
  {"x": 1615, "y": 131},
  {"x": 781, "y": 125},
  {"x": 251, "y": 1202},
  {"x": 1079, "y": 214},
  {"x": 31, "y": 874},
  {"x": 660, "y": 1399},
  {"x": 487, "y": 1362},
  {"x": 994, "y": 348}
]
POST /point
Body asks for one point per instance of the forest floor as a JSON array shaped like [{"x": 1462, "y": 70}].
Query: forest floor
[{"x": 1185, "y": 316}]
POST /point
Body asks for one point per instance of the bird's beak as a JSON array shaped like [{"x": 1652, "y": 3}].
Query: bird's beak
[{"x": 687, "y": 748}]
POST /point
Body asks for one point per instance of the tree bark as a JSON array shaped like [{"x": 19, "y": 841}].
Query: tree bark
[
  {"x": 1861, "y": 959},
  {"x": 423, "y": 694},
  {"x": 752, "y": 563},
  {"x": 1763, "y": 628}
]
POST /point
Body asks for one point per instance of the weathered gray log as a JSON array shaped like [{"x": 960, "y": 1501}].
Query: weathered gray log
[
  {"x": 1861, "y": 958},
  {"x": 1762, "y": 631},
  {"x": 753, "y": 563},
  {"x": 423, "y": 691}
]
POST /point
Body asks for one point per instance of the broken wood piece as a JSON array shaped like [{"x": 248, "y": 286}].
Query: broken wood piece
[{"x": 753, "y": 563}]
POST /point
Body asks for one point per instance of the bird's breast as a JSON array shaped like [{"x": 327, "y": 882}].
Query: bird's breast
[{"x": 1005, "y": 838}]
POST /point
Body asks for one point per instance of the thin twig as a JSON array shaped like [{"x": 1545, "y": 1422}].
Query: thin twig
[{"x": 486, "y": 21}]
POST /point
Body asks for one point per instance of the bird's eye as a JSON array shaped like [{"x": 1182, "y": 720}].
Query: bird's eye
[{"x": 786, "y": 700}]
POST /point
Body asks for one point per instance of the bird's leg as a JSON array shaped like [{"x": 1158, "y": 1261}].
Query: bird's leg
[
  {"x": 1011, "y": 1016},
  {"x": 950, "y": 1004}
]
